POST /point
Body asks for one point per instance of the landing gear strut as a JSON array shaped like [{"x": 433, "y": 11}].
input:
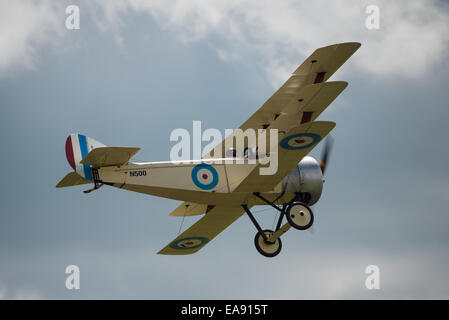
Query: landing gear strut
[{"x": 268, "y": 242}]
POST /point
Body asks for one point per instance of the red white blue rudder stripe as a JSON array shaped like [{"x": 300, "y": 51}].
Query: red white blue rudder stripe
[{"x": 77, "y": 146}]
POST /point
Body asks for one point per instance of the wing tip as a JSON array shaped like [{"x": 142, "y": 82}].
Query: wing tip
[
  {"x": 348, "y": 44},
  {"x": 354, "y": 44},
  {"x": 168, "y": 252}
]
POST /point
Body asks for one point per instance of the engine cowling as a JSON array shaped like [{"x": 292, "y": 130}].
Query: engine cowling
[{"x": 306, "y": 179}]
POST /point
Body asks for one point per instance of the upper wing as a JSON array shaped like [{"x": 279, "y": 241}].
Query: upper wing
[
  {"x": 203, "y": 231},
  {"x": 109, "y": 156},
  {"x": 303, "y": 96}
]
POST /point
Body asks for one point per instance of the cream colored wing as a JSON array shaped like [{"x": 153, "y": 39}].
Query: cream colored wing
[
  {"x": 307, "y": 105},
  {"x": 188, "y": 209},
  {"x": 302, "y": 97},
  {"x": 292, "y": 147},
  {"x": 203, "y": 231}
]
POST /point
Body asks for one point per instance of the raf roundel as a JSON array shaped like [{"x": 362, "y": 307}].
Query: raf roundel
[
  {"x": 300, "y": 141},
  {"x": 204, "y": 176},
  {"x": 188, "y": 243}
]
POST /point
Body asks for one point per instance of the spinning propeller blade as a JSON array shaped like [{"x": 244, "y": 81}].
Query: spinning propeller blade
[
  {"x": 326, "y": 152},
  {"x": 324, "y": 160}
]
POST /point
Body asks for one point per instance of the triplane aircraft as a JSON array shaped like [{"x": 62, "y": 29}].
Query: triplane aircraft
[{"x": 223, "y": 191}]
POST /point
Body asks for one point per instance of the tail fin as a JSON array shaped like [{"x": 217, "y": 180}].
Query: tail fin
[
  {"x": 81, "y": 156},
  {"x": 77, "y": 146}
]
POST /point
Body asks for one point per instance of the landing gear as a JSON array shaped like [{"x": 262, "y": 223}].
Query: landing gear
[
  {"x": 97, "y": 185},
  {"x": 267, "y": 248},
  {"x": 299, "y": 215},
  {"x": 268, "y": 242},
  {"x": 97, "y": 182}
]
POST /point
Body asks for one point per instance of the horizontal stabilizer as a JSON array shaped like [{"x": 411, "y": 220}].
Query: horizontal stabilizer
[
  {"x": 72, "y": 179},
  {"x": 109, "y": 156}
]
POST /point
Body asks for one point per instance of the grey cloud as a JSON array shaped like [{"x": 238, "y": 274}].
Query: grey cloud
[{"x": 413, "y": 35}]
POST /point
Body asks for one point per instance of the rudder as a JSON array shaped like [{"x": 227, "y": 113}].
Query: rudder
[{"x": 77, "y": 146}]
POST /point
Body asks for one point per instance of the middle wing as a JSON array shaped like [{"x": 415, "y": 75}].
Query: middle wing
[{"x": 292, "y": 147}]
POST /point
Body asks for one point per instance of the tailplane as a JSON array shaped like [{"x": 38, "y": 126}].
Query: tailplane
[
  {"x": 84, "y": 153},
  {"x": 72, "y": 179},
  {"x": 78, "y": 146}
]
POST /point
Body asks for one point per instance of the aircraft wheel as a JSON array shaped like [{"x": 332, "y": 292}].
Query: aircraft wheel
[
  {"x": 299, "y": 215},
  {"x": 265, "y": 248}
]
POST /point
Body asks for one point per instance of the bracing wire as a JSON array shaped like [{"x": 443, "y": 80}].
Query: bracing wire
[
  {"x": 262, "y": 210},
  {"x": 182, "y": 222},
  {"x": 274, "y": 221}
]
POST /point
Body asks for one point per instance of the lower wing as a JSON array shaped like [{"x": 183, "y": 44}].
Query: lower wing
[{"x": 203, "y": 231}]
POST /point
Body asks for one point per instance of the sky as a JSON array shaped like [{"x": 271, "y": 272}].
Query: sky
[{"x": 136, "y": 70}]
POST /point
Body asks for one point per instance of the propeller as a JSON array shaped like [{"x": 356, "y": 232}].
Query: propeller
[
  {"x": 326, "y": 152},
  {"x": 323, "y": 164}
]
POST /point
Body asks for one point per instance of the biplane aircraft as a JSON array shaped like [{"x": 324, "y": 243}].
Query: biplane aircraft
[{"x": 223, "y": 192}]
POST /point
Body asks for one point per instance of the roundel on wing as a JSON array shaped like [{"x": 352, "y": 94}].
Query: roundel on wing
[
  {"x": 189, "y": 243},
  {"x": 300, "y": 141},
  {"x": 204, "y": 176}
]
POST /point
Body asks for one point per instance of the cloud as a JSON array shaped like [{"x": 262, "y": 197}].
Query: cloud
[
  {"x": 25, "y": 28},
  {"x": 302, "y": 274},
  {"x": 405, "y": 275},
  {"x": 19, "y": 294},
  {"x": 413, "y": 37}
]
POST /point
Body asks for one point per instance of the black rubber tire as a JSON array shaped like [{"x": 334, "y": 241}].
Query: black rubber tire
[
  {"x": 260, "y": 243},
  {"x": 291, "y": 216}
]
